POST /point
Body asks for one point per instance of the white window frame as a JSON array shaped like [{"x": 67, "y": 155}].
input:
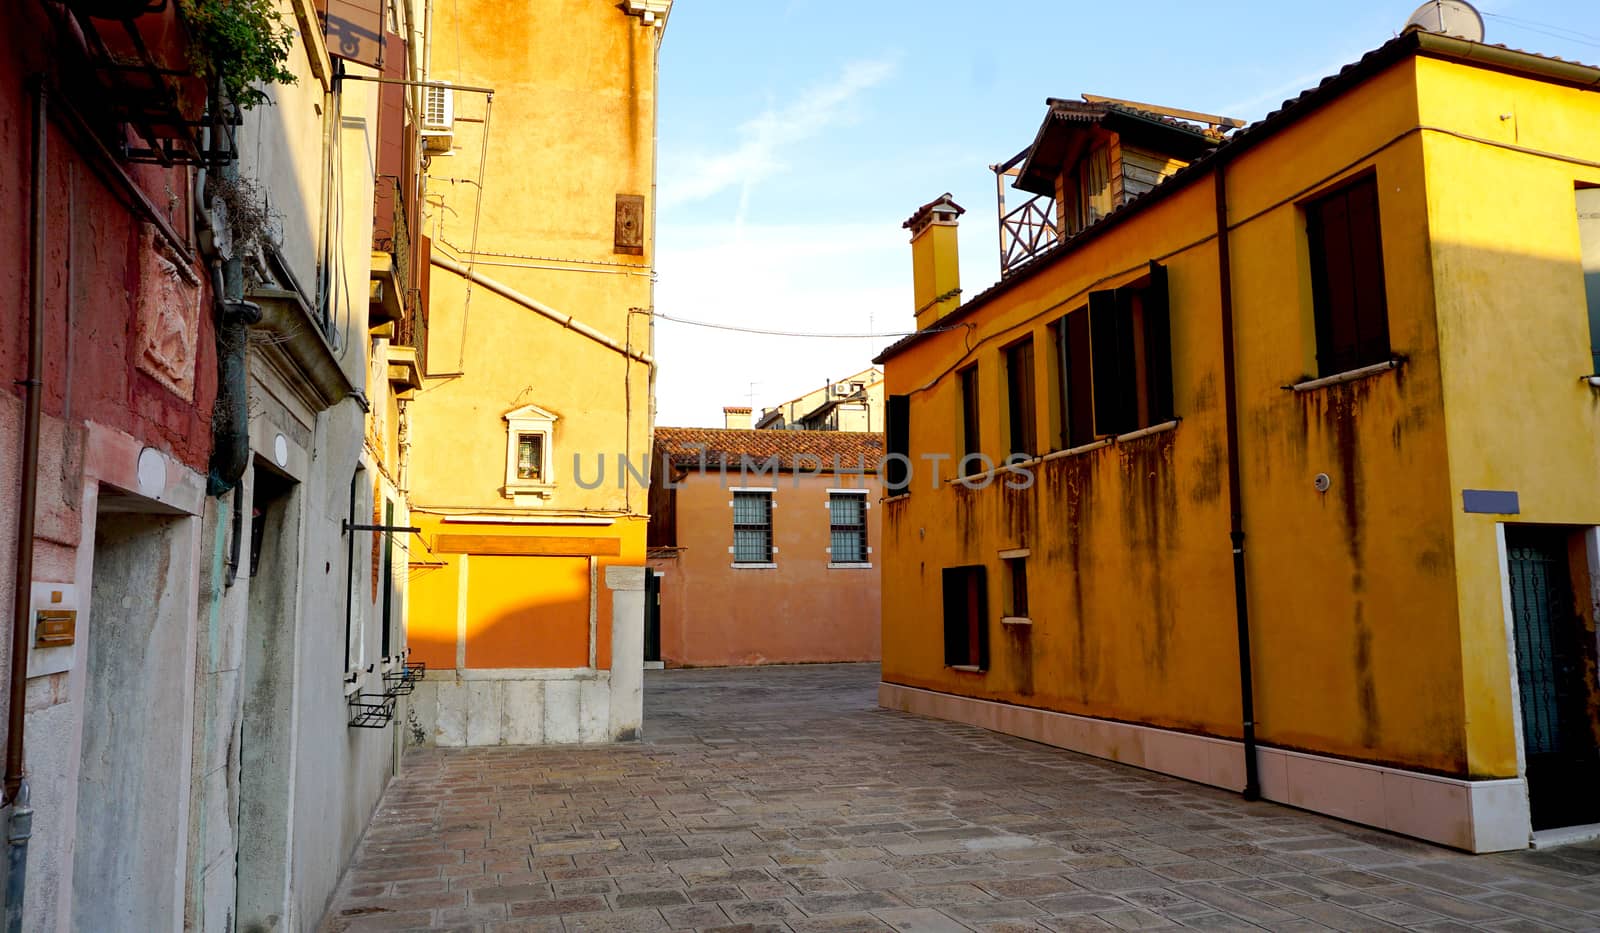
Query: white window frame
[
  {"x": 771, "y": 492},
  {"x": 530, "y": 419},
  {"x": 866, "y": 506}
]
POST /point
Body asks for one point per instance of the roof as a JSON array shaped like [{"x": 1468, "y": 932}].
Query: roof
[
  {"x": 736, "y": 409},
  {"x": 1053, "y": 143},
  {"x": 684, "y": 447},
  {"x": 945, "y": 201},
  {"x": 1410, "y": 43}
]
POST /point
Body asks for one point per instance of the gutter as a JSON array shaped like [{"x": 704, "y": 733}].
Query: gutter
[
  {"x": 1230, "y": 406},
  {"x": 16, "y": 786},
  {"x": 565, "y": 320},
  {"x": 1408, "y": 44}
]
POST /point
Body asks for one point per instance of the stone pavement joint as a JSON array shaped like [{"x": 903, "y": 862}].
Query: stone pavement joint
[{"x": 783, "y": 799}]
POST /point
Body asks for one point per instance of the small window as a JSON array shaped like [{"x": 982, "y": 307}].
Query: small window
[
  {"x": 1130, "y": 347},
  {"x": 752, "y": 527},
  {"x": 897, "y": 441},
  {"x": 847, "y": 526},
  {"x": 530, "y": 458},
  {"x": 966, "y": 618},
  {"x": 1020, "y": 398},
  {"x": 1075, "y": 402},
  {"x": 1016, "y": 587},
  {"x": 530, "y": 474},
  {"x": 1347, "y": 288},
  {"x": 970, "y": 443}
]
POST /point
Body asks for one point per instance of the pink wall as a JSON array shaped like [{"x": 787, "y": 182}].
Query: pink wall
[{"x": 715, "y": 615}]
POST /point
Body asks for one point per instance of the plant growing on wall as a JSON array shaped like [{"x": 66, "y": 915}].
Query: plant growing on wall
[{"x": 242, "y": 43}]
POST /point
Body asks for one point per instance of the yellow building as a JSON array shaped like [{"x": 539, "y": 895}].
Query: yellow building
[
  {"x": 1323, "y": 399},
  {"x": 528, "y": 597}
]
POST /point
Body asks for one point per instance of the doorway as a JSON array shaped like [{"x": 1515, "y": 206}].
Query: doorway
[
  {"x": 266, "y": 733},
  {"x": 132, "y": 813},
  {"x": 1555, "y": 654}
]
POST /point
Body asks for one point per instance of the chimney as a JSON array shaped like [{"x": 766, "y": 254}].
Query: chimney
[
  {"x": 936, "y": 279},
  {"x": 734, "y": 416}
]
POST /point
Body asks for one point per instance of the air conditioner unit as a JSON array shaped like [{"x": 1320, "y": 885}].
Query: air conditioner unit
[{"x": 438, "y": 118}]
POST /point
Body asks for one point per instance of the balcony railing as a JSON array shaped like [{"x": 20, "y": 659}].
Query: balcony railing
[{"x": 1026, "y": 232}]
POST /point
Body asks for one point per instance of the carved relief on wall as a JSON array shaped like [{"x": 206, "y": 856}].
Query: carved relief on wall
[{"x": 167, "y": 315}]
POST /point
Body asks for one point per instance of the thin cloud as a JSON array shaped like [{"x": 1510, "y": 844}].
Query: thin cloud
[{"x": 767, "y": 136}]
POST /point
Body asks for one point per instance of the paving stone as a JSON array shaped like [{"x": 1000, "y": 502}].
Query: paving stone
[{"x": 782, "y": 799}]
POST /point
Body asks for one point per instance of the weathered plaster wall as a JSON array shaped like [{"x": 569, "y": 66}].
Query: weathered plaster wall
[
  {"x": 1352, "y": 592},
  {"x": 715, "y": 614}
]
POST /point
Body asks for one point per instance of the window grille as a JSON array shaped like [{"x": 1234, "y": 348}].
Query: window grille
[
  {"x": 752, "y": 527},
  {"x": 847, "y": 521}
]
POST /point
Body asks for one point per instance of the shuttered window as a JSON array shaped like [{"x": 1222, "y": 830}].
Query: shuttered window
[
  {"x": 1130, "y": 348},
  {"x": 1347, "y": 285},
  {"x": 1020, "y": 398},
  {"x": 1076, "y": 400},
  {"x": 897, "y": 440},
  {"x": 752, "y": 527},
  {"x": 969, "y": 418}
]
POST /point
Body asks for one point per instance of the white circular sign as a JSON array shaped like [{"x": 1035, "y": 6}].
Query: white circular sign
[
  {"x": 280, "y": 450},
  {"x": 152, "y": 473}
]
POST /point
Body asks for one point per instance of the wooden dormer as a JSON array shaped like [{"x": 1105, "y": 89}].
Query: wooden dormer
[{"x": 1090, "y": 157}]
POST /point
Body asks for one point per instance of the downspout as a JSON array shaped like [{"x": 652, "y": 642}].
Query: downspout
[
  {"x": 230, "y": 417},
  {"x": 1230, "y": 394},
  {"x": 20, "y": 827}
]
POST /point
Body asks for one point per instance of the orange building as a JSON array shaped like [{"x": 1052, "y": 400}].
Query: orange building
[{"x": 743, "y": 521}]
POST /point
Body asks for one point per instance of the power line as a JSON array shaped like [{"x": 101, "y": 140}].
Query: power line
[
  {"x": 790, "y": 333},
  {"x": 1549, "y": 29}
]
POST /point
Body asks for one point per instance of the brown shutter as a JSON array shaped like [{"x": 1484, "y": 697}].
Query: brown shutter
[
  {"x": 1108, "y": 323},
  {"x": 354, "y": 30},
  {"x": 897, "y": 431},
  {"x": 1078, "y": 379},
  {"x": 1366, "y": 274},
  {"x": 1157, "y": 346}
]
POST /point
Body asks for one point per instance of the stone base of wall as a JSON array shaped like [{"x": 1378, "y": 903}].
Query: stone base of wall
[
  {"x": 1477, "y": 816},
  {"x": 513, "y": 707}
]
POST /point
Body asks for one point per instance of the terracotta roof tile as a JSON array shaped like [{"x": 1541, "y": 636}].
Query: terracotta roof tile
[{"x": 729, "y": 445}]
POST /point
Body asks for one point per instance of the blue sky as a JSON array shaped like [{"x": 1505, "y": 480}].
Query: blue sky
[{"x": 797, "y": 135}]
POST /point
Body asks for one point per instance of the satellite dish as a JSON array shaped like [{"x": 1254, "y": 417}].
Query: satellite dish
[{"x": 1449, "y": 17}]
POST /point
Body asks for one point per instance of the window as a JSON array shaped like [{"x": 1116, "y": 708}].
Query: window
[
  {"x": 752, "y": 527},
  {"x": 1589, "y": 245},
  {"x": 1130, "y": 350},
  {"x": 1016, "y": 587},
  {"x": 969, "y": 418},
  {"x": 529, "y": 459},
  {"x": 1020, "y": 398},
  {"x": 897, "y": 440},
  {"x": 966, "y": 616},
  {"x": 847, "y": 526},
  {"x": 1347, "y": 291},
  {"x": 1075, "y": 403}
]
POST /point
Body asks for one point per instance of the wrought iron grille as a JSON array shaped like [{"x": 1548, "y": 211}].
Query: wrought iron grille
[
  {"x": 752, "y": 527},
  {"x": 847, "y": 521}
]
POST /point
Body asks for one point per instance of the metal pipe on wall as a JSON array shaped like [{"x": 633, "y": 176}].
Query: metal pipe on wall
[
  {"x": 1230, "y": 391},
  {"x": 16, "y": 792}
]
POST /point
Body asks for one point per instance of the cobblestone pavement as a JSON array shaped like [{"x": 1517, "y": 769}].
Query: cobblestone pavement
[{"x": 784, "y": 799}]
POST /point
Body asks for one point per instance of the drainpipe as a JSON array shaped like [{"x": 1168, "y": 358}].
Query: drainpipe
[
  {"x": 230, "y": 419},
  {"x": 16, "y": 786},
  {"x": 1230, "y": 393}
]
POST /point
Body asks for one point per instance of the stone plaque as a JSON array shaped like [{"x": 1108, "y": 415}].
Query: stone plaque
[{"x": 167, "y": 310}]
